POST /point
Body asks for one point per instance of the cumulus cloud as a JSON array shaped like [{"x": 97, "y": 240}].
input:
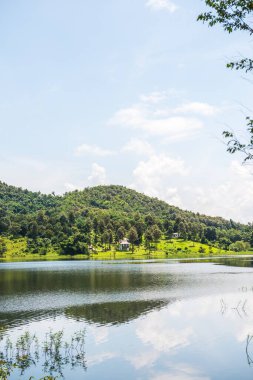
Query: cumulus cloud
[
  {"x": 158, "y": 5},
  {"x": 98, "y": 175},
  {"x": 139, "y": 147},
  {"x": 100, "y": 334},
  {"x": 154, "y": 177},
  {"x": 152, "y": 116},
  {"x": 231, "y": 198},
  {"x": 71, "y": 186},
  {"x": 197, "y": 108},
  {"x": 86, "y": 149},
  {"x": 36, "y": 175},
  {"x": 94, "y": 360},
  {"x": 143, "y": 359},
  {"x": 170, "y": 179},
  {"x": 155, "y": 332}
]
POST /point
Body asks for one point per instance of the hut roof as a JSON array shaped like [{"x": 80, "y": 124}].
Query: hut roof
[{"x": 124, "y": 241}]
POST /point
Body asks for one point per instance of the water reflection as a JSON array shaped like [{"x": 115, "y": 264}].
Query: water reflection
[
  {"x": 53, "y": 354},
  {"x": 112, "y": 312},
  {"x": 143, "y": 321}
]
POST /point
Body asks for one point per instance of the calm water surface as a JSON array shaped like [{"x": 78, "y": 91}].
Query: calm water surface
[{"x": 155, "y": 320}]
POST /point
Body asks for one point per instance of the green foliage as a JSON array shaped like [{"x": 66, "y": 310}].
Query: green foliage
[
  {"x": 98, "y": 218},
  {"x": 132, "y": 237},
  {"x": 234, "y": 15},
  {"x": 120, "y": 233},
  {"x": 156, "y": 233},
  {"x": 239, "y": 246},
  {"x": 231, "y": 14},
  {"x": 5, "y": 371},
  {"x": 234, "y": 145},
  {"x": 3, "y": 247},
  {"x": 74, "y": 245},
  {"x": 16, "y": 200}
]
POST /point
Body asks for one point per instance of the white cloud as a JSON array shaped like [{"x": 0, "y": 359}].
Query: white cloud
[
  {"x": 98, "y": 175},
  {"x": 158, "y": 5},
  {"x": 155, "y": 332},
  {"x": 231, "y": 198},
  {"x": 36, "y": 175},
  {"x": 170, "y": 179},
  {"x": 71, "y": 187},
  {"x": 139, "y": 147},
  {"x": 204, "y": 109},
  {"x": 155, "y": 176},
  {"x": 148, "y": 116},
  {"x": 143, "y": 359},
  {"x": 101, "y": 334},
  {"x": 154, "y": 97},
  {"x": 94, "y": 360},
  {"x": 86, "y": 149}
]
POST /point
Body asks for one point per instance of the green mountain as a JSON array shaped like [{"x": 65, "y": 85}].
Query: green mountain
[{"x": 101, "y": 216}]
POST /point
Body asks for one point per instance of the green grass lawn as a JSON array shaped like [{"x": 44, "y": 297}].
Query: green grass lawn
[{"x": 175, "y": 248}]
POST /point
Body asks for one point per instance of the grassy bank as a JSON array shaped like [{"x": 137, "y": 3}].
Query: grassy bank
[{"x": 171, "y": 249}]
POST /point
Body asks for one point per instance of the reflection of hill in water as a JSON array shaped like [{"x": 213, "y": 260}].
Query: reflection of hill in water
[
  {"x": 100, "y": 313},
  {"x": 236, "y": 262},
  {"x": 79, "y": 277},
  {"x": 14, "y": 319},
  {"x": 113, "y": 312}
]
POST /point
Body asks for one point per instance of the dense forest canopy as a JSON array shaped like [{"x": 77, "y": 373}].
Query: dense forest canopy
[{"x": 103, "y": 215}]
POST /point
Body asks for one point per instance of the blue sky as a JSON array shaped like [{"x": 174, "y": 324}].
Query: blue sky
[{"x": 126, "y": 92}]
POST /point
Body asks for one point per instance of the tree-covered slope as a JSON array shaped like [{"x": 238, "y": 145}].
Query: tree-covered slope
[
  {"x": 103, "y": 215},
  {"x": 16, "y": 200},
  {"x": 116, "y": 198},
  {"x": 124, "y": 200}
]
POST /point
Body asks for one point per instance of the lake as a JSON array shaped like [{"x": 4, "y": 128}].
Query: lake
[{"x": 155, "y": 320}]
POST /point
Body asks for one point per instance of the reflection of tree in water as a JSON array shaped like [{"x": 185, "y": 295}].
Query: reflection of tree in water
[
  {"x": 248, "y": 353},
  {"x": 239, "y": 262},
  {"x": 239, "y": 308},
  {"x": 53, "y": 353}
]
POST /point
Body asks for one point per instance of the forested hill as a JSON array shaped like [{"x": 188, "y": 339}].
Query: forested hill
[
  {"x": 15, "y": 200},
  {"x": 103, "y": 215},
  {"x": 124, "y": 200}
]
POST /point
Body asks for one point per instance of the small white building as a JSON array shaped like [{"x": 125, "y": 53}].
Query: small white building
[
  {"x": 124, "y": 245},
  {"x": 175, "y": 235}
]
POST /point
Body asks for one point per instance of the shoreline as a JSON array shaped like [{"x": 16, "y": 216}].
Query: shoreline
[{"x": 120, "y": 257}]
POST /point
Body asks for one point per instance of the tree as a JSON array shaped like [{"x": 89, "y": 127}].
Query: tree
[
  {"x": 74, "y": 245},
  {"x": 210, "y": 234},
  {"x": 182, "y": 229},
  {"x": 3, "y": 247},
  {"x": 168, "y": 226},
  {"x": 251, "y": 240},
  {"x": 33, "y": 230},
  {"x": 239, "y": 246},
  {"x": 149, "y": 220},
  {"x": 132, "y": 237},
  {"x": 156, "y": 233},
  {"x": 148, "y": 237},
  {"x": 105, "y": 239},
  {"x": 120, "y": 234},
  {"x": 234, "y": 15}
]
